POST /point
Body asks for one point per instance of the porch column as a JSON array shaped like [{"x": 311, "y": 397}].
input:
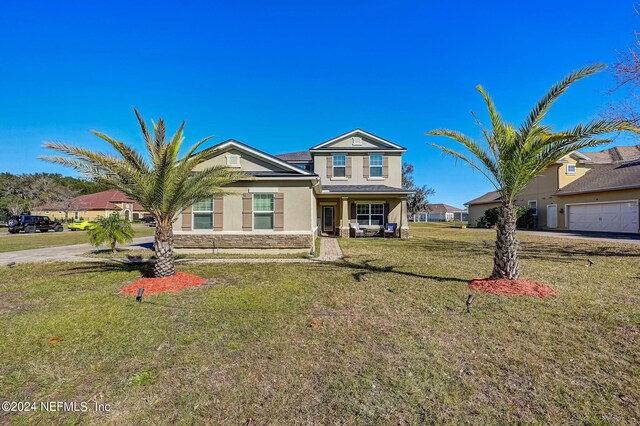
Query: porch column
[
  {"x": 404, "y": 218},
  {"x": 344, "y": 221}
]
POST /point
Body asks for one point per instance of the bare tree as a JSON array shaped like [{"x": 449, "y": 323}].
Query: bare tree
[
  {"x": 407, "y": 175},
  {"x": 419, "y": 202}
]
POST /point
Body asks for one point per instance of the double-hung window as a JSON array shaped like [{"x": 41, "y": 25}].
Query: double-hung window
[
  {"x": 263, "y": 211},
  {"x": 375, "y": 165},
  {"x": 339, "y": 165},
  {"x": 203, "y": 214},
  {"x": 370, "y": 214},
  {"x": 534, "y": 207}
]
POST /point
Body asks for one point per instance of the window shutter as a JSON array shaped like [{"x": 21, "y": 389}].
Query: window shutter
[
  {"x": 278, "y": 220},
  {"x": 348, "y": 167},
  {"x": 186, "y": 219},
  {"x": 247, "y": 212},
  {"x": 352, "y": 216},
  {"x": 329, "y": 166},
  {"x": 365, "y": 169},
  {"x": 385, "y": 166},
  {"x": 386, "y": 213},
  {"x": 218, "y": 208}
]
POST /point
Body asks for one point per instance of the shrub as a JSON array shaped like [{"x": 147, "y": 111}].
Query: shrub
[
  {"x": 111, "y": 230},
  {"x": 524, "y": 216}
]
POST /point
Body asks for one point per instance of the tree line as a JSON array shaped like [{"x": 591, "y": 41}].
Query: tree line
[{"x": 21, "y": 193}]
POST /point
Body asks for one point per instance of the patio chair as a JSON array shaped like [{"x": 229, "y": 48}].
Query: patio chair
[
  {"x": 390, "y": 229},
  {"x": 357, "y": 232}
]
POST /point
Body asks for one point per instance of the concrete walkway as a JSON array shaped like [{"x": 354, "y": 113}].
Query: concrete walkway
[
  {"x": 329, "y": 252},
  {"x": 607, "y": 237}
]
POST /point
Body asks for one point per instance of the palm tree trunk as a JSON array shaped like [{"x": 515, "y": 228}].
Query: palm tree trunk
[
  {"x": 505, "y": 260},
  {"x": 165, "y": 264}
]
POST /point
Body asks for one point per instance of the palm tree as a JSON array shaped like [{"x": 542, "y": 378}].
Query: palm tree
[
  {"x": 164, "y": 184},
  {"x": 111, "y": 230},
  {"x": 513, "y": 157}
]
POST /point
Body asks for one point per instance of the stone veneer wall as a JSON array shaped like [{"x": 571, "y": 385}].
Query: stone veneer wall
[{"x": 243, "y": 241}]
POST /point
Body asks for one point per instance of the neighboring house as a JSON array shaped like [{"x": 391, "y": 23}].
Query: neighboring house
[
  {"x": 442, "y": 213},
  {"x": 355, "y": 177},
  {"x": 585, "y": 191},
  {"x": 92, "y": 206}
]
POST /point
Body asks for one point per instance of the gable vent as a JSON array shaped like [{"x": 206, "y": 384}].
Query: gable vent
[
  {"x": 356, "y": 141},
  {"x": 233, "y": 160}
]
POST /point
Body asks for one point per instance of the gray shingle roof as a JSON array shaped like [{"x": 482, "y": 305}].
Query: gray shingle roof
[
  {"x": 615, "y": 154},
  {"x": 280, "y": 173},
  {"x": 605, "y": 177},
  {"x": 364, "y": 188},
  {"x": 443, "y": 208},
  {"x": 295, "y": 156},
  {"x": 489, "y": 197}
]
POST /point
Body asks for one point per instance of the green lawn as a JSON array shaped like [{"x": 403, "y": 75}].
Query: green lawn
[
  {"x": 394, "y": 344},
  {"x": 15, "y": 242}
]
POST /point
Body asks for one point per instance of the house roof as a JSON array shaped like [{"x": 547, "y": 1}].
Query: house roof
[
  {"x": 256, "y": 152},
  {"x": 488, "y": 198},
  {"x": 276, "y": 174},
  {"x": 105, "y": 200},
  {"x": 444, "y": 208},
  {"x": 606, "y": 177},
  {"x": 295, "y": 156},
  {"x": 615, "y": 154},
  {"x": 362, "y": 189},
  {"x": 388, "y": 144}
]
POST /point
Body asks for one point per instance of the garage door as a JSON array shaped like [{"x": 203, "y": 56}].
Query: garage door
[{"x": 604, "y": 217}]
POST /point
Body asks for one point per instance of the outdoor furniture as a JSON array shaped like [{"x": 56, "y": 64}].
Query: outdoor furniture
[
  {"x": 390, "y": 229},
  {"x": 357, "y": 231}
]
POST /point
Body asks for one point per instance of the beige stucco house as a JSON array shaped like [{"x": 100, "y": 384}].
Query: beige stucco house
[
  {"x": 585, "y": 191},
  {"x": 292, "y": 198}
]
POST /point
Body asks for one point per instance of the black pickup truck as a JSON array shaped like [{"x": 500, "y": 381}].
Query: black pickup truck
[{"x": 31, "y": 224}]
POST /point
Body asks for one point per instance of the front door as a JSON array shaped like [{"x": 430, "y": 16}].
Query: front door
[
  {"x": 327, "y": 219},
  {"x": 552, "y": 216}
]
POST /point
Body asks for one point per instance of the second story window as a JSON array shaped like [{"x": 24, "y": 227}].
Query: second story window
[
  {"x": 340, "y": 165},
  {"x": 375, "y": 165},
  {"x": 571, "y": 169}
]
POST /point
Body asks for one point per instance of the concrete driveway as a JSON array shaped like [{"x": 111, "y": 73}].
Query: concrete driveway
[
  {"x": 62, "y": 253},
  {"x": 609, "y": 237}
]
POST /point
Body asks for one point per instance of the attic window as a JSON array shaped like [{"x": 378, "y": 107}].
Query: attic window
[
  {"x": 571, "y": 169},
  {"x": 233, "y": 160},
  {"x": 356, "y": 140}
]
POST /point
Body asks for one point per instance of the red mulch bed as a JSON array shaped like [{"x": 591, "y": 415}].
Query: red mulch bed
[
  {"x": 163, "y": 285},
  {"x": 512, "y": 287}
]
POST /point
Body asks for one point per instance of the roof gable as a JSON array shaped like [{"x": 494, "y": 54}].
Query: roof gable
[
  {"x": 358, "y": 139},
  {"x": 253, "y": 160}
]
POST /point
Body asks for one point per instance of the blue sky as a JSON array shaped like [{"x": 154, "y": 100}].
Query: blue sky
[{"x": 283, "y": 76}]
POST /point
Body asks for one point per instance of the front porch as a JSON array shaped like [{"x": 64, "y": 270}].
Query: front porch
[{"x": 372, "y": 212}]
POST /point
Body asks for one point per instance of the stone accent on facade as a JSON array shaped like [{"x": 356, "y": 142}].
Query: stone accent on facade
[
  {"x": 404, "y": 232},
  {"x": 242, "y": 241}
]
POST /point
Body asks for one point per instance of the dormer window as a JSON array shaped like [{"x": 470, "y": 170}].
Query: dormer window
[
  {"x": 571, "y": 169},
  {"x": 339, "y": 165},
  {"x": 233, "y": 160},
  {"x": 375, "y": 165}
]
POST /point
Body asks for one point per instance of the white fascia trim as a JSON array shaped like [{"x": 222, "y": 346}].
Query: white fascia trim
[
  {"x": 363, "y": 151},
  {"x": 577, "y": 154},
  {"x": 280, "y": 178},
  {"x": 268, "y": 158},
  {"x": 353, "y": 132}
]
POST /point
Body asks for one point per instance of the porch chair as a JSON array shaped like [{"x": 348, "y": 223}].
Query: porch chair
[
  {"x": 390, "y": 229},
  {"x": 357, "y": 232}
]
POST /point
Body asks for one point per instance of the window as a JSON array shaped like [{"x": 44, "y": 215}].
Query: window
[
  {"x": 263, "y": 211},
  {"x": 571, "y": 169},
  {"x": 370, "y": 214},
  {"x": 233, "y": 160},
  {"x": 203, "y": 214},
  {"x": 534, "y": 207},
  {"x": 375, "y": 165},
  {"x": 340, "y": 165}
]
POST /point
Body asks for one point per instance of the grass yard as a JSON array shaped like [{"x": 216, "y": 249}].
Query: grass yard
[
  {"x": 391, "y": 342},
  {"x": 15, "y": 242}
]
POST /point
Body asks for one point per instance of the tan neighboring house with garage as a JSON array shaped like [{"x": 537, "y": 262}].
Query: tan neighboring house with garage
[
  {"x": 292, "y": 198},
  {"x": 585, "y": 191}
]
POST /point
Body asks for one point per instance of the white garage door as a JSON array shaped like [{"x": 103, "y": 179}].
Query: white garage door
[{"x": 604, "y": 217}]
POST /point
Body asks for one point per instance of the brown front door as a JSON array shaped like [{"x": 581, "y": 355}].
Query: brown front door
[{"x": 327, "y": 219}]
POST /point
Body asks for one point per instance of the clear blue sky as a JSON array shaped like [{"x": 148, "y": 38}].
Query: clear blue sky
[{"x": 283, "y": 76}]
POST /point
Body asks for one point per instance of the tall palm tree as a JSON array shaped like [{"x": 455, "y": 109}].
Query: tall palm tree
[
  {"x": 164, "y": 184},
  {"x": 512, "y": 157}
]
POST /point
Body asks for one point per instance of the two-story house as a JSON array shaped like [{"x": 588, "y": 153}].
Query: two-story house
[
  {"x": 291, "y": 198},
  {"x": 585, "y": 191}
]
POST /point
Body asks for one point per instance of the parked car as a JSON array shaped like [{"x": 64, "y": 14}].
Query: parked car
[
  {"x": 150, "y": 220},
  {"x": 31, "y": 224},
  {"x": 84, "y": 225}
]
